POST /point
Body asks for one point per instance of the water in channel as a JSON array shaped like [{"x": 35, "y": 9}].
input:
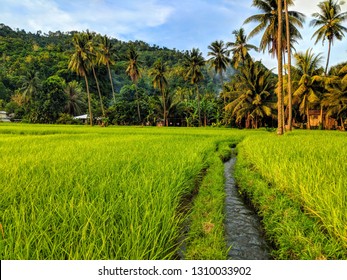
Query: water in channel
[{"x": 243, "y": 228}]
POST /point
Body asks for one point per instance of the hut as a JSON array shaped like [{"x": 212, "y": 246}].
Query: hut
[
  {"x": 315, "y": 120},
  {"x": 4, "y": 117}
]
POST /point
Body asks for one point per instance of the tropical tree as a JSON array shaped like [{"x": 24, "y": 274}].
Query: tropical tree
[
  {"x": 79, "y": 63},
  {"x": 268, "y": 23},
  {"x": 280, "y": 101},
  {"x": 105, "y": 58},
  {"x": 240, "y": 48},
  {"x": 31, "y": 84},
  {"x": 75, "y": 98},
  {"x": 93, "y": 54},
  {"x": 160, "y": 82},
  {"x": 329, "y": 22},
  {"x": 252, "y": 88},
  {"x": 219, "y": 58},
  {"x": 194, "y": 62},
  {"x": 133, "y": 71},
  {"x": 307, "y": 79}
]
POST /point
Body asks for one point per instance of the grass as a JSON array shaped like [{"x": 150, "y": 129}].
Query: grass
[
  {"x": 298, "y": 184},
  {"x": 75, "y": 192},
  {"x": 97, "y": 193}
]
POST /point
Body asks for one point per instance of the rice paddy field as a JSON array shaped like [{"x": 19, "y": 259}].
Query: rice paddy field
[{"x": 75, "y": 192}]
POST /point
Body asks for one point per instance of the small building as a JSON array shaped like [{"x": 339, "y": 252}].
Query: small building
[
  {"x": 315, "y": 120},
  {"x": 4, "y": 117}
]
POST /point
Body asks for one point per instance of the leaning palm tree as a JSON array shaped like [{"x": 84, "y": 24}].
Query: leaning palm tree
[
  {"x": 194, "y": 62},
  {"x": 329, "y": 22},
  {"x": 160, "y": 81},
  {"x": 219, "y": 58},
  {"x": 307, "y": 76},
  {"x": 240, "y": 48},
  {"x": 79, "y": 63},
  {"x": 105, "y": 58},
  {"x": 133, "y": 71}
]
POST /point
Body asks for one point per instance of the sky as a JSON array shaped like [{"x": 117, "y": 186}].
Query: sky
[{"x": 179, "y": 24}]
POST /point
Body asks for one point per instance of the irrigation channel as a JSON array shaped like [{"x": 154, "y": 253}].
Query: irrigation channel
[{"x": 242, "y": 225}]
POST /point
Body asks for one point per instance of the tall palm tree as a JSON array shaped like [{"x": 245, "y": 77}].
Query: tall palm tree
[
  {"x": 240, "y": 47},
  {"x": 289, "y": 52},
  {"x": 329, "y": 22},
  {"x": 133, "y": 71},
  {"x": 93, "y": 55},
  {"x": 105, "y": 58},
  {"x": 79, "y": 63},
  {"x": 268, "y": 22},
  {"x": 160, "y": 82},
  {"x": 219, "y": 58},
  {"x": 75, "y": 98},
  {"x": 307, "y": 76},
  {"x": 280, "y": 103},
  {"x": 193, "y": 62}
]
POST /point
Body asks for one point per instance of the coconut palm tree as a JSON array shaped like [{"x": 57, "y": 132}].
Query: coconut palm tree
[
  {"x": 252, "y": 88},
  {"x": 93, "y": 55},
  {"x": 75, "y": 98},
  {"x": 280, "y": 101},
  {"x": 307, "y": 76},
  {"x": 329, "y": 22},
  {"x": 289, "y": 52},
  {"x": 219, "y": 58},
  {"x": 79, "y": 63},
  {"x": 240, "y": 48},
  {"x": 268, "y": 23},
  {"x": 160, "y": 82},
  {"x": 133, "y": 71},
  {"x": 31, "y": 84},
  {"x": 105, "y": 58},
  {"x": 194, "y": 62}
]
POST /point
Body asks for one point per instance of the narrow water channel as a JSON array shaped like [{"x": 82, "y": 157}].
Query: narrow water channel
[{"x": 243, "y": 227}]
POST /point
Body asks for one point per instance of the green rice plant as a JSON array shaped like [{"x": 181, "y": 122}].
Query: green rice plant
[{"x": 308, "y": 168}]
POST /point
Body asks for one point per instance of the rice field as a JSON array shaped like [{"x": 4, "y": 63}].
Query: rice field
[
  {"x": 82, "y": 193},
  {"x": 74, "y": 192}
]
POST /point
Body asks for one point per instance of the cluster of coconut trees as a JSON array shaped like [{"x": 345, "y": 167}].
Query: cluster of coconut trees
[{"x": 303, "y": 85}]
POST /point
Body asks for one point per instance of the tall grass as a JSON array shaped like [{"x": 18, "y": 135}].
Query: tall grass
[
  {"x": 96, "y": 193},
  {"x": 310, "y": 169}
]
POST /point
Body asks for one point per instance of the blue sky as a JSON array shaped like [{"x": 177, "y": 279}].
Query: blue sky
[{"x": 172, "y": 23}]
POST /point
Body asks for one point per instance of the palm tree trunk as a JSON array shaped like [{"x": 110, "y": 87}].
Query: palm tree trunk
[
  {"x": 328, "y": 58},
  {"x": 138, "y": 104},
  {"x": 111, "y": 82},
  {"x": 280, "y": 103},
  {"x": 342, "y": 124},
  {"x": 198, "y": 96},
  {"x": 290, "y": 102},
  {"x": 222, "y": 83},
  {"x": 164, "y": 106},
  {"x": 321, "y": 117},
  {"x": 97, "y": 85},
  {"x": 308, "y": 126},
  {"x": 89, "y": 102}
]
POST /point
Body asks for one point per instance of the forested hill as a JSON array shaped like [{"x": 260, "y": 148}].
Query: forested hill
[{"x": 35, "y": 80}]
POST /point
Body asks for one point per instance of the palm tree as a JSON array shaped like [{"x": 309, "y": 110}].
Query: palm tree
[
  {"x": 240, "y": 48},
  {"x": 79, "y": 63},
  {"x": 329, "y": 21},
  {"x": 105, "y": 59},
  {"x": 75, "y": 98},
  {"x": 31, "y": 84},
  {"x": 219, "y": 58},
  {"x": 306, "y": 75},
  {"x": 268, "y": 22},
  {"x": 251, "y": 87},
  {"x": 289, "y": 52},
  {"x": 280, "y": 103},
  {"x": 160, "y": 82},
  {"x": 193, "y": 62},
  {"x": 93, "y": 54},
  {"x": 133, "y": 71}
]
